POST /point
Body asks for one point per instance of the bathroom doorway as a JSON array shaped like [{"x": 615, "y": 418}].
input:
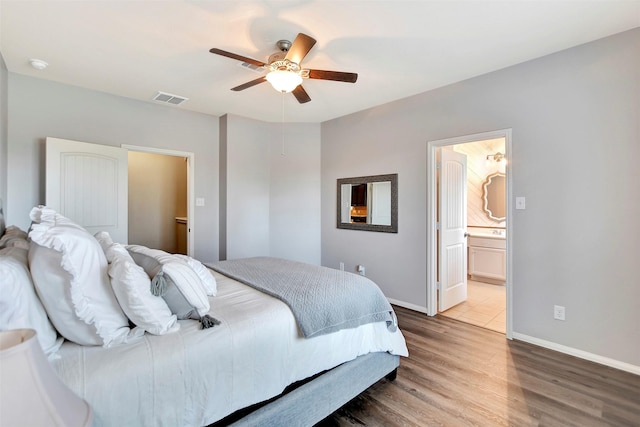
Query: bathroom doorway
[
  {"x": 486, "y": 251},
  {"x": 161, "y": 199}
]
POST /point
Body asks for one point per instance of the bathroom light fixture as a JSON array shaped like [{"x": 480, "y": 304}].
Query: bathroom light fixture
[
  {"x": 498, "y": 157},
  {"x": 38, "y": 64}
]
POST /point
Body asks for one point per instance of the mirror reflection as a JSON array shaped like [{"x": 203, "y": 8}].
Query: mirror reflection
[
  {"x": 368, "y": 203},
  {"x": 494, "y": 195}
]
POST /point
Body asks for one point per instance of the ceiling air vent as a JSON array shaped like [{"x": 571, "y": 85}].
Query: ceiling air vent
[
  {"x": 169, "y": 98},
  {"x": 254, "y": 68}
]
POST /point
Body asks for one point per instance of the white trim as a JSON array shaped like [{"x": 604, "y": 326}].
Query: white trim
[
  {"x": 432, "y": 304},
  {"x": 509, "y": 237},
  {"x": 190, "y": 185},
  {"x": 432, "y": 227},
  {"x": 623, "y": 366},
  {"x": 407, "y": 305}
]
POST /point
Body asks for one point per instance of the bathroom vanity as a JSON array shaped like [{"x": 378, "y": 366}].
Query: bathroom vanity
[{"x": 487, "y": 258}]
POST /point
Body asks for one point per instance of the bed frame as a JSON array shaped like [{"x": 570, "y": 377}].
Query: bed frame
[{"x": 329, "y": 391}]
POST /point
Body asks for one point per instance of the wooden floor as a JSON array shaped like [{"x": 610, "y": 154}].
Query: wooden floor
[{"x": 463, "y": 375}]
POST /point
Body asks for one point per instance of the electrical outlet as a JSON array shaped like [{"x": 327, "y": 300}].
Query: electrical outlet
[
  {"x": 361, "y": 270},
  {"x": 342, "y": 266},
  {"x": 558, "y": 312}
]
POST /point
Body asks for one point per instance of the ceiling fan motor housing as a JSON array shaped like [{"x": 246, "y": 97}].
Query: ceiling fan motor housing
[
  {"x": 284, "y": 65},
  {"x": 278, "y": 56},
  {"x": 283, "y": 45}
]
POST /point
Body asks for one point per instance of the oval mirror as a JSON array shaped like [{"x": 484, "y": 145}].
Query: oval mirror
[{"x": 494, "y": 194}]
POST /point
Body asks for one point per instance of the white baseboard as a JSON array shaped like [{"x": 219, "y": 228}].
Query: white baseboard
[
  {"x": 408, "y": 305},
  {"x": 623, "y": 366}
]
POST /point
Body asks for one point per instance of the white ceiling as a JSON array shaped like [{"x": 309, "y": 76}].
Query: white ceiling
[{"x": 398, "y": 48}]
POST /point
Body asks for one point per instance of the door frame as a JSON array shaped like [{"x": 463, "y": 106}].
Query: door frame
[
  {"x": 432, "y": 206},
  {"x": 190, "y": 184}
]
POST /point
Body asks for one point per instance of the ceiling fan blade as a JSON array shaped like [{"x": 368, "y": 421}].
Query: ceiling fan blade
[
  {"x": 301, "y": 94},
  {"x": 300, "y": 47},
  {"x": 338, "y": 76},
  {"x": 238, "y": 57},
  {"x": 249, "y": 84}
]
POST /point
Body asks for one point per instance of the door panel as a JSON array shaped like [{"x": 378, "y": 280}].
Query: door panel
[
  {"x": 88, "y": 184},
  {"x": 452, "y": 250}
]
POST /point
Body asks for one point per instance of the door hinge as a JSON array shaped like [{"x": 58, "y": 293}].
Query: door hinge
[
  {"x": 438, "y": 286},
  {"x": 437, "y": 226},
  {"x": 438, "y": 165}
]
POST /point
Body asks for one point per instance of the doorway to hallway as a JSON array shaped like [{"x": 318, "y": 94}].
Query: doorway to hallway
[
  {"x": 158, "y": 201},
  {"x": 179, "y": 201}
]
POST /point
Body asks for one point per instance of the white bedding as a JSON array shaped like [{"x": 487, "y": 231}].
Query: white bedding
[{"x": 197, "y": 376}]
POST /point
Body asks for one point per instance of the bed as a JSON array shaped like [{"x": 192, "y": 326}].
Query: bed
[{"x": 254, "y": 367}]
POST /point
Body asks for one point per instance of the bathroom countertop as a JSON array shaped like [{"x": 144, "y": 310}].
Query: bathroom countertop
[{"x": 486, "y": 235}]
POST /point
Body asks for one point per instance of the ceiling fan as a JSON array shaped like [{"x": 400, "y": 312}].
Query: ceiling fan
[{"x": 284, "y": 71}]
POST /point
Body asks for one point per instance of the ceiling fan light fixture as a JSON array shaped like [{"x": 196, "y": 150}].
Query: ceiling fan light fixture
[
  {"x": 283, "y": 68},
  {"x": 284, "y": 80}
]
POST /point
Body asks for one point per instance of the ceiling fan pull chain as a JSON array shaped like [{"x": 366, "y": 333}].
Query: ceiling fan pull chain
[{"x": 282, "y": 153}]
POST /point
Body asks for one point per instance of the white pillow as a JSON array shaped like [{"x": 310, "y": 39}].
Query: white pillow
[
  {"x": 178, "y": 284},
  {"x": 207, "y": 279},
  {"x": 19, "y": 304},
  {"x": 69, "y": 270},
  {"x": 132, "y": 288}
]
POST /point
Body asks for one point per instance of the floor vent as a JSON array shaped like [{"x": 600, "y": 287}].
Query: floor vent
[
  {"x": 254, "y": 68},
  {"x": 169, "y": 98}
]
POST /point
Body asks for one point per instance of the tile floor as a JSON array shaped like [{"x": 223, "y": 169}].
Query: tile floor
[{"x": 485, "y": 306}]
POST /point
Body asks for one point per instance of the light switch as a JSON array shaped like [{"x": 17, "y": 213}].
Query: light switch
[
  {"x": 520, "y": 203},
  {"x": 199, "y": 201}
]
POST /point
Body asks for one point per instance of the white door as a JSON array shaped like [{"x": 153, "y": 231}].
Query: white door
[
  {"x": 452, "y": 249},
  {"x": 88, "y": 184}
]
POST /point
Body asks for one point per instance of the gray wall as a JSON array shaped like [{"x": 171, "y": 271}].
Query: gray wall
[
  {"x": 39, "y": 108},
  {"x": 576, "y": 148},
  {"x": 294, "y": 208},
  {"x": 270, "y": 203},
  {"x": 247, "y": 179},
  {"x": 272, "y": 200}
]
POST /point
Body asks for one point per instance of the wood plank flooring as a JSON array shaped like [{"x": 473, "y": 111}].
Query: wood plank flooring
[{"x": 462, "y": 375}]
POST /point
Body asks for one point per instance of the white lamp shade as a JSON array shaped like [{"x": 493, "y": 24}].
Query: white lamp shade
[
  {"x": 31, "y": 393},
  {"x": 283, "y": 80}
]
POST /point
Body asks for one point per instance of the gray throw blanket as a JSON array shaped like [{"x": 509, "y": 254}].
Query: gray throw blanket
[{"x": 323, "y": 300}]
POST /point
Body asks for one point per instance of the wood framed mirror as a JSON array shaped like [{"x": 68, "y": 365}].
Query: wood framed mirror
[{"x": 368, "y": 203}]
